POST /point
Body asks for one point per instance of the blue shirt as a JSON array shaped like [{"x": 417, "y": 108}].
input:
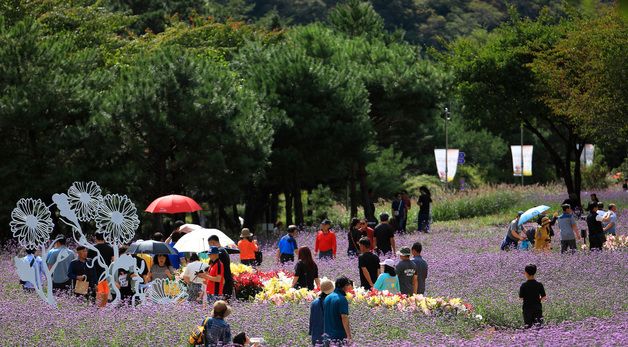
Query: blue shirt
[
  {"x": 175, "y": 259},
  {"x": 334, "y": 306},
  {"x": 287, "y": 245},
  {"x": 387, "y": 282},
  {"x": 317, "y": 320},
  {"x": 60, "y": 275},
  {"x": 38, "y": 265}
]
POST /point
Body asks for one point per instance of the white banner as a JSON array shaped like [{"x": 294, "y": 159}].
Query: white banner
[
  {"x": 586, "y": 157},
  {"x": 527, "y": 160},
  {"x": 452, "y": 163}
]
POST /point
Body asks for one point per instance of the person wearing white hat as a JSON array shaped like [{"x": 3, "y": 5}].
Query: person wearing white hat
[
  {"x": 388, "y": 280},
  {"x": 317, "y": 318}
]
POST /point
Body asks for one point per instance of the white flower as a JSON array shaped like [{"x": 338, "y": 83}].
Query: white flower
[
  {"x": 117, "y": 219},
  {"x": 31, "y": 223},
  {"x": 478, "y": 317},
  {"x": 84, "y": 199}
]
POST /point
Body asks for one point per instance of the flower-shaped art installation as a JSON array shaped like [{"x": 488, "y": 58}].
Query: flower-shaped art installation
[
  {"x": 85, "y": 198},
  {"x": 163, "y": 291},
  {"x": 31, "y": 223},
  {"x": 117, "y": 218}
]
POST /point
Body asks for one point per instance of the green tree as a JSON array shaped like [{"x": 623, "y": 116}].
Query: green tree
[
  {"x": 357, "y": 18},
  {"x": 190, "y": 125}
]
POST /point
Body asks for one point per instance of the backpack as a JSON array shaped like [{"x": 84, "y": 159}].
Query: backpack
[{"x": 197, "y": 337}]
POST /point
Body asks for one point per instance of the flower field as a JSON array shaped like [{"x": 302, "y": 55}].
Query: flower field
[{"x": 586, "y": 306}]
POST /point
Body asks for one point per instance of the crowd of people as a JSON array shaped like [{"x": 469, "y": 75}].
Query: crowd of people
[
  {"x": 600, "y": 223},
  {"x": 374, "y": 250}
]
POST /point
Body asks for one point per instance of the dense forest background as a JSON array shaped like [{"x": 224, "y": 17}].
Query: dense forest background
[{"x": 255, "y": 106}]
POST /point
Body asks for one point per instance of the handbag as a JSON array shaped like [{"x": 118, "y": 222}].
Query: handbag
[{"x": 81, "y": 287}]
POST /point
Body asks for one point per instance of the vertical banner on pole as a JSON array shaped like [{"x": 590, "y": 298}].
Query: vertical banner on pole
[
  {"x": 452, "y": 163},
  {"x": 516, "y": 160},
  {"x": 586, "y": 157}
]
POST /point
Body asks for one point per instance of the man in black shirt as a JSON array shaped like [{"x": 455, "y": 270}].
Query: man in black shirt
[
  {"x": 368, "y": 264},
  {"x": 532, "y": 292},
  {"x": 384, "y": 236},
  {"x": 106, "y": 251},
  {"x": 596, "y": 230},
  {"x": 226, "y": 261}
]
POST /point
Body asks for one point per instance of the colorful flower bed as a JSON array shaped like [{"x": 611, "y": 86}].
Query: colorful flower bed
[{"x": 614, "y": 243}]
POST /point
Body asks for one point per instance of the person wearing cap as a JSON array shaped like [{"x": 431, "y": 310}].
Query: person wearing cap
[
  {"x": 317, "y": 318},
  {"x": 384, "y": 237},
  {"x": 368, "y": 264},
  {"x": 215, "y": 277},
  {"x": 247, "y": 246},
  {"x": 336, "y": 312},
  {"x": 325, "y": 244},
  {"x": 287, "y": 245},
  {"x": 596, "y": 230},
  {"x": 542, "y": 236},
  {"x": 513, "y": 235},
  {"x": 407, "y": 273},
  {"x": 568, "y": 229},
  {"x": 611, "y": 219},
  {"x": 388, "y": 280},
  {"x": 217, "y": 330}
]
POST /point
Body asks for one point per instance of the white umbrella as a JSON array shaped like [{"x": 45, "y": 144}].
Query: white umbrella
[{"x": 196, "y": 240}]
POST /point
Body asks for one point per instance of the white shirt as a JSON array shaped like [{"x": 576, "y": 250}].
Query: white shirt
[{"x": 192, "y": 269}]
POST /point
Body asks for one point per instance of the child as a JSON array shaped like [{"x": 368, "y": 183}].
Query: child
[{"x": 532, "y": 293}]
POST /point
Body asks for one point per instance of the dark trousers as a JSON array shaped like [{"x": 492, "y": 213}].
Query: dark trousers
[
  {"x": 532, "y": 317},
  {"x": 284, "y": 258},
  {"x": 508, "y": 243},
  {"x": 62, "y": 286},
  {"x": 326, "y": 254},
  {"x": 249, "y": 262},
  {"x": 596, "y": 241},
  {"x": 567, "y": 245},
  {"x": 424, "y": 222}
]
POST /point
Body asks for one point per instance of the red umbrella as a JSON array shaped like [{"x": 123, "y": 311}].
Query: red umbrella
[{"x": 173, "y": 204}]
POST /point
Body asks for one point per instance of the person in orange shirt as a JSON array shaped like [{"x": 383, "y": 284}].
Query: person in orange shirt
[
  {"x": 248, "y": 246},
  {"x": 325, "y": 245}
]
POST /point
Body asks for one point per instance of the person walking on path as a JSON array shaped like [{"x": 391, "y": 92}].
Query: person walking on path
[
  {"x": 513, "y": 234},
  {"x": 425, "y": 201},
  {"x": 596, "y": 231},
  {"x": 317, "y": 317},
  {"x": 568, "y": 229},
  {"x": 287, "y": 245},
  {"x": 421, "y": 266},
  {"x": 368, "y": 264},
  {"x": 305, "y": 271},
  {"x": 384, "y": 237},
  {"x": 399, "y": 212},
  {"x": 388, "y": 280},
  {"x": 532, "y": 293},
  {"x": 336, "y": 312},
  {"x": 325, "y": 244},
  {"x": 407, "y": 273},
  {"x": 247, "y": 246}
]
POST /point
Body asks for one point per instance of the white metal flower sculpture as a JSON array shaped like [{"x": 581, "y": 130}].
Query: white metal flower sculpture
[
  {"x": 85, "y": 198},
  {"x": 31, "y": 223},
  {"x": 163, "y": 291},
  {"x": 117, "y": 218}
]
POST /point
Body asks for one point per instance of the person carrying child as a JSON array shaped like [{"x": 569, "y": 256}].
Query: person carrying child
[{"x": 532, "y": 293}]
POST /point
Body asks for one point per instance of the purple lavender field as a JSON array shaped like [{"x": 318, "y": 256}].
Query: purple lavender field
[{"x": 586, "y": 306}]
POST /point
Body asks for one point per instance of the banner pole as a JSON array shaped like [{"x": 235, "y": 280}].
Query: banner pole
[{"x": 521, "y": 127}]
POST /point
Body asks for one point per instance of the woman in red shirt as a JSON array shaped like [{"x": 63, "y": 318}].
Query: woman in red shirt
[{"x": 325, "y": 241}]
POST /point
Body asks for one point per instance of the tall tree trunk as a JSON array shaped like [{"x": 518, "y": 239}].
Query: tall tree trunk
[
  {"x": 369, "y": 211},
  {"x": 196, "y": 218},
  {"x": 288, "y": 197},
  {"x": 227, "y": 220},
  {"x": 274, "y": 207},
  {"x": 353, "y": 198},
  {"x": 236, "y": 215},
  {"x": 256, "y": 199},
  {"x": 298, "y": 204}
]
